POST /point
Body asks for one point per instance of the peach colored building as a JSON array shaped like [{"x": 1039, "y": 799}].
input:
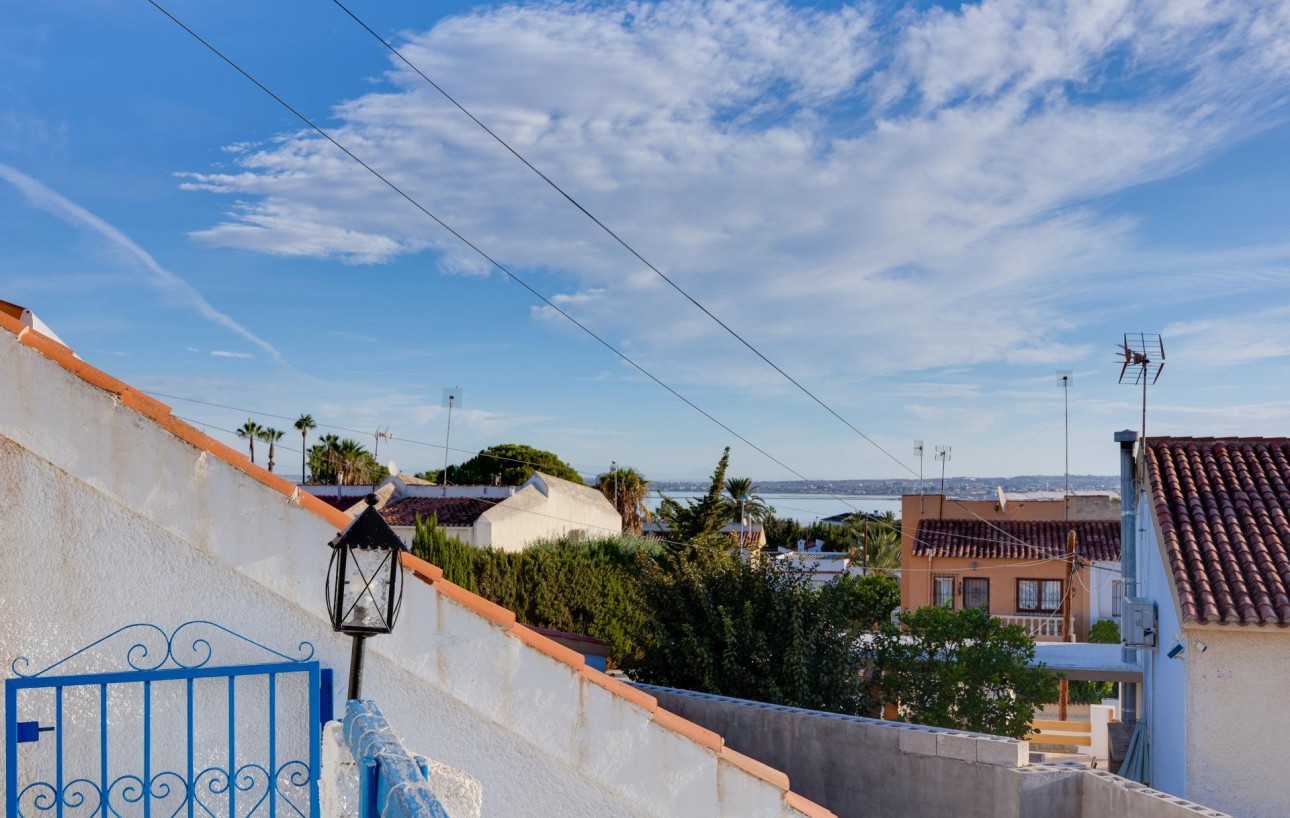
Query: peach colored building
[{"x": 1010, "y": 558}]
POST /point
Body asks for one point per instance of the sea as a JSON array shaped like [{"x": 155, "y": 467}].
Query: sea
[{"x": 806, "y": 508}]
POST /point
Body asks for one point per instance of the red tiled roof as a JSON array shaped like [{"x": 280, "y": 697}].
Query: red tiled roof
[
  {"x": 454, "y": 512},
  {"x": 342, "y": 503},
  {"x": 1016, "y": 539},
  {"x": 1223, "y": 506}
]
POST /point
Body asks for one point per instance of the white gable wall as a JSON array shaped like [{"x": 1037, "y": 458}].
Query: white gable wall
[
  {"x": 108, "y": 519},
  {"x": 547, "y": 508}
]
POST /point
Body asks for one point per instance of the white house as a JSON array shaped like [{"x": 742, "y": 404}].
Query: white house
[
  {"x": 1213, "y": 555},
  {"x": 506, "y": 517},
  {"x": 115, "y": 512}
]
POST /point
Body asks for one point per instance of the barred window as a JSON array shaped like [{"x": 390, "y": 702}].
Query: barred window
[
  {"x": 976, "y": 593},
  {"x": 943, "y": 590}
]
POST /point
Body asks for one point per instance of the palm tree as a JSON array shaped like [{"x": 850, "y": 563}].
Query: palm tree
[
  {"x": 249, "y": 431},
  {"x": 744, "y": 502},
  {"x": 271, "y": 436},
  {"x": 350, "y": 457},
  {"x": 629, "y": 491},
  {"x": 304, "y": 425},
  {"x": 877, "y": 542}
]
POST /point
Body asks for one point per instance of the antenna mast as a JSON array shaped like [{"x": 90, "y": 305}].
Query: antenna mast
[
  {"x": 943, "y": 455},
  {"x": 1064, "y": 381},
  {"x": 451, "y": 395},
  {"x": 918, "y": 452},
  {"x": 379, "y": 435}
]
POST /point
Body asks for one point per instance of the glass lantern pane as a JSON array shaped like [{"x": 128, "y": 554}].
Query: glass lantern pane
[{"x": 367, "y": 588}]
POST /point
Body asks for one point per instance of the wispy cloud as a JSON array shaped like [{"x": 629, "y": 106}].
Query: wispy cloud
[
  {"x": 43, "y": 197},
  {"x": 223, "y": 353},
  {"x": 922, "y": 187}
]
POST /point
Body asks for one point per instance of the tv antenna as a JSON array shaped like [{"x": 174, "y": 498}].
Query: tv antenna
[
  {"x": 1064, "y": 381},
  {"x": 451, "y": 397},
  {"x": 1142, "y": 356},
  {"x": 379, "y": 435},
  {"x": 918, "y": 452}
]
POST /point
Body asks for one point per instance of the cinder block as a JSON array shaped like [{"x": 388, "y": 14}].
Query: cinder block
[
  {"x": 956, "y": 745},
  {"x": 918, "y": 741},
  {"x": 1002, "y": 752}
]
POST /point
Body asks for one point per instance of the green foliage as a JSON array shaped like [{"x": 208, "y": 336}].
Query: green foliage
[
  {"x": 700, "y": 521},
  {"x": 783, "y": 532},
  {"x": 584, "y": 586},
  {"x": 862, "y": 602},
  {"x": 961, "y": 669},
  {"x": 1105, "y": 632},
  {"x": 756, "y": 631},
  {"x": 506, "y": 464},
  {"x": 744, "y": 503},
  {"x": 628, "y": 490},
  {"x": 334, "y": 456}
]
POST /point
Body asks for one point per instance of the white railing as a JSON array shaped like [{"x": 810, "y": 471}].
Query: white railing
[{"x": 1039, "y": 627}]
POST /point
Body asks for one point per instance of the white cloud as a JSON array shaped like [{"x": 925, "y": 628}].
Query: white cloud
[
  {"x": 223, "y": 353},
  {"x": 857, "y": 195},
  {"x": 41, "y": 196}
]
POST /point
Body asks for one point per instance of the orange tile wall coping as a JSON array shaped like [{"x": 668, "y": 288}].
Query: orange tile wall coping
[{"x": 159, "y": 413}]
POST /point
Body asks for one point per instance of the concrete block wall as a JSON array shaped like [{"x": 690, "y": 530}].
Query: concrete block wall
[{"x": 871, "y": 768}]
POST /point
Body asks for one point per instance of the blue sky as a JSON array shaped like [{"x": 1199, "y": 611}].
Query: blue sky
[{"x": 921, "y": 212}]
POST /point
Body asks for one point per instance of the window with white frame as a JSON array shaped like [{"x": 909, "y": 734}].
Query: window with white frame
[
  {"x": 1117, "y": 596},
  {"x": 943, "y": 591},
  {"x": 1039, "y": 595}
]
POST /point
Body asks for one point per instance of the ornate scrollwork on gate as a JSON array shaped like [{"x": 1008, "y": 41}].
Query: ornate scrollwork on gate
[{"x": 155, "y": 649}]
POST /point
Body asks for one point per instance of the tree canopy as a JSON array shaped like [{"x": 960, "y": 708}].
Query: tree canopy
[
  {"x": 700, "y": 521},
  {"x": 506, "y": 464},
  {"x": 962, "y": 669},
  {"x": 628, "y": 490}
]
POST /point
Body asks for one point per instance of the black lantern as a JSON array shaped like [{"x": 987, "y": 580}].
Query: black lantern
[{"x": 364, "y": 583}]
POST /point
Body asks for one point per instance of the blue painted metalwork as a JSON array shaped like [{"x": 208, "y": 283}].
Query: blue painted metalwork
[
  {"x": 391, "y": 780},
  {"x": 236, "y": 787}
]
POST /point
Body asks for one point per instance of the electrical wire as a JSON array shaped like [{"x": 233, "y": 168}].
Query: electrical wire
[
  {"x": 634, "y": 252},
  {"x": 551, "y": 304}
]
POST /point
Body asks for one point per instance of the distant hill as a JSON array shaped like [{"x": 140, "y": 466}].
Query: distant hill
[{"x": 954, "y": 486}]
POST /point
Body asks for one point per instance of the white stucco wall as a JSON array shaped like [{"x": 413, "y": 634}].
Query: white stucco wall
[
  {"x": 106, "y": 518},
  {"x": 1164, "y": 680},
  {"x": 1101, "y": 578},
  {"x": 1236, "y": 724},
  {"x": 544, "y": 508}
]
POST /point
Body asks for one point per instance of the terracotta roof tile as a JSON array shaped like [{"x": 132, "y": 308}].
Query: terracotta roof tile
[
  {"x": 454, "y": 512},
  {"x": 1016, "y": 539},
  {"x": 1223, "y": 508}
]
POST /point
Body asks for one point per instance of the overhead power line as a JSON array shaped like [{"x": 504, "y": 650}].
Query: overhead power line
[
  {"x": 547, "y": 301},
  {"x": 635, "y": 253}
]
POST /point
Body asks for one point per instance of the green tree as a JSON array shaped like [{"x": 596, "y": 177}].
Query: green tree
[
  {"x": 1106, "y": 632},
  {"x": 506, "y": 464},
  {"x": 250, "y": 431},
  {"x": 271, "y": 436},
  {"x": 700, "y": 522},
  {"x": 324, "y": 463},
  {"x": 757, "y": 631},
  {"x": 960, "y": 669},
  {"x": 861, "y": 603},
  {"x": 304, "y": 425},
  {"x": 877, "y": 541},
  {"x": 629, "y": 491},
  {"x": 744, "y": 502}
]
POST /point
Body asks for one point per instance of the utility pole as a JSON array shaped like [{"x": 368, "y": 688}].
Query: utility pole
[{"x": 1068, "y": 632}]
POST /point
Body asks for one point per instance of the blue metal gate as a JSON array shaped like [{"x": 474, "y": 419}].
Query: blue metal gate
[{"x": 162, "y": 731}]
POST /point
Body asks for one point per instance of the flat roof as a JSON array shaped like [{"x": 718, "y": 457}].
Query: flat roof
[{"x": 1088, "y": 661}]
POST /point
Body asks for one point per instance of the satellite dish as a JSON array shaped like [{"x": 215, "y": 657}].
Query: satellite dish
[{"x": 393, "y": 467}]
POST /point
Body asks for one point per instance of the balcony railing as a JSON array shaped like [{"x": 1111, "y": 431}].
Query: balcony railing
[{"x": 1039, "y": 627}]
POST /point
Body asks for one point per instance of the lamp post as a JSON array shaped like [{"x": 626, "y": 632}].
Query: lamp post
[{"x": 364, "y": 584}]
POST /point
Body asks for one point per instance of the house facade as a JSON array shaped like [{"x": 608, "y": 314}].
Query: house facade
[
  {"x": 510, "y": 518},
  {"x": 1213, "y": 559},
  {"x": 1009, "y": 557}
]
